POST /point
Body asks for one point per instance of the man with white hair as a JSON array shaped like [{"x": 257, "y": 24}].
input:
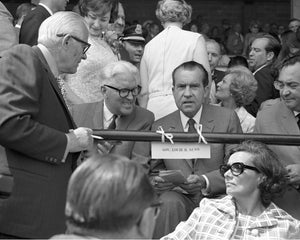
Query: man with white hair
[
  {"x": 118, "y": 111},
  {"x": 39, "y": 138}
]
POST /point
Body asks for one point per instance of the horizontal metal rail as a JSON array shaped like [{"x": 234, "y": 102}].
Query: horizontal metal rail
[{"x": 274, "y": 139}]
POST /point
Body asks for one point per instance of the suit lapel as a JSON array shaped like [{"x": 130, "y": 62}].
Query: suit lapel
[
  {"x": 288, "y": 121},
  {"x": 207, "y": 122},
  {"x": 175, "y": 125},
  {"x": 207, "y": 119},
  {"x": 54, "y": 84},
  {"x": 97, "y": 115}
]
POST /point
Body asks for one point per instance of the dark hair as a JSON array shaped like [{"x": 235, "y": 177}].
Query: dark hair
[
  {"x": 192, "y": 65},
  {"x": 266, "y": 161},
  {"x": 95, "y": 5},
  {"x": 238, "y": 61},
  {"x": 273, "y": 44},
  {"x": 290, "y": 61}
]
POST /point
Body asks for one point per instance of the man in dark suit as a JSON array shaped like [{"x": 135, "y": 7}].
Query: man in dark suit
[
  {"x": 283, "y": 117},
  {"x": 264, "y": 50},
  {"x": 190, "y": 87},
  {"x": 214, "y": 55},
  {"x": 118, "y": 111},
  {"x": 30, "y": 26},
  {"x": 39, "y": 138}
]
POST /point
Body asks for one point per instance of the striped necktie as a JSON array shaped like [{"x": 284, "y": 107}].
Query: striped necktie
[{"x": 112, "y": 124}]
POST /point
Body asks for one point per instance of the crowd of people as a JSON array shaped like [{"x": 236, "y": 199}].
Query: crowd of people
[{"x": 66, "y": 74}]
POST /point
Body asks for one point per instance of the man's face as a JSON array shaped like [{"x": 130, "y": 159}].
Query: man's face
[
  {"x": 74, "y": 52},
  {"x": 294, "y": 25},
  {"x": 290, "y": 93},
  {"x": 258, "y": 55},
  {"x": 189, "y": 92},
  {"x": 116, "y": 104},
  {"x": 214, "y": 54},
  {"x": 135, "y": 50},
  {"x": 119, "y": 24}
]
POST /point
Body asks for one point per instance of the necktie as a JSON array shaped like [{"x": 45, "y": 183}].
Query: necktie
[
  {"x": 112, "y": 124},
  {"x": 192, "y": 129},
  {"x": 298, "y": 122},
  {"x": 191, "y": 123}
]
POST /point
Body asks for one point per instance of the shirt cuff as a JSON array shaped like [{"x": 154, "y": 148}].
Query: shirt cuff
[
  {"x": 205, "y": 191},
  {"x": 67, "y": 149}
]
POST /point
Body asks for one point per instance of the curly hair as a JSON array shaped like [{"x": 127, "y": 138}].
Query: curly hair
[
  {"x": 174, "y": 11},
  {"x": 266, "y": 161},
  {"x": 243, "y": 85}
]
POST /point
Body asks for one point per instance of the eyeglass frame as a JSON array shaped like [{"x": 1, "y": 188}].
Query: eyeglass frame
[
  {"x": 125, "y": 89},
  {"x": 87, "y": 45},
  {"x": 243, "y": 166}
]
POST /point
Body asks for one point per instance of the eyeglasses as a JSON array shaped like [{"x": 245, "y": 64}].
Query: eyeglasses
[
  {"x": 124, "y": 92},
  {"x": 236, "y": 168},
  {"x": 279, "y": 85},
  {"x": 86, "y": 45}
]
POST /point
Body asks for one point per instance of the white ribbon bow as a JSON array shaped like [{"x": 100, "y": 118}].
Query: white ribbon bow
[
  {"x": 169, "y": 136},
  {"x": 199, "y": 131}
]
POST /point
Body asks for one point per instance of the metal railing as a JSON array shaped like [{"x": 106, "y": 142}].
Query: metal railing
[{"x": 273, "y": 139}]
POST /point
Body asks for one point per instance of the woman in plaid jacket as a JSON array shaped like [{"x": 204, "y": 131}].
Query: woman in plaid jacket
[{"x": 253, "y": 177}]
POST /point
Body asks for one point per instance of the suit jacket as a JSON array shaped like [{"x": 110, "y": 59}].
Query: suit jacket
[
  {"x": 218, "y": 76},
  {"x": 265, "y": 89},
  {"x": 31, "y": 24},
  {"x": 213, "y": 119},
  {"x": 33, "y": 123},
  {"x": 91, "y": 115},
  {"x": 8, "y": 35},
  {"x": 278, "y": 119}
]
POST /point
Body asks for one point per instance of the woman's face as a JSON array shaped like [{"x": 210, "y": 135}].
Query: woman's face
[
  {"x": 223, "y": 91},
  {"x": 97, "y": 22},
  {"x": 245, "y": 184}
]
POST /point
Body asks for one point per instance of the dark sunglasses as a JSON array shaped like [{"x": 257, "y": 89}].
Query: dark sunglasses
[
  {"x": 86, "y": 45},
  {"x": 236, "y": 168},
  {"x": 124, "y": 92}
]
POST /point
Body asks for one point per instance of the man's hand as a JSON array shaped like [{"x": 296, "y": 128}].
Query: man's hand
[
  {"x": 293, "y": 173},
  {"x": 160, "y": 185},
  {"x": 80, "y": 139},
  {"x": 194, "y": 184}
]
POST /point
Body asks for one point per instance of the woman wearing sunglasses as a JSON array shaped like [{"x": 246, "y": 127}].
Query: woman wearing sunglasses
[{"x": 253, "y": 177}]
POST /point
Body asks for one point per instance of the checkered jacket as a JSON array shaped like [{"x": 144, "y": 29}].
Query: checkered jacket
[{"x": 218, "y": 219}]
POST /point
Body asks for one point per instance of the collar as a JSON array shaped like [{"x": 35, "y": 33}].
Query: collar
[
  {"x": 49, "y": 59},
  {"x": 184, "y": 119},
  {"x": 108, "y": 115},
  {"x": 296, "y": 113},
  {"x": 261, "y": 67},
  {"x": 270, "y": 217},
  {"x": 47, "y": 8}
]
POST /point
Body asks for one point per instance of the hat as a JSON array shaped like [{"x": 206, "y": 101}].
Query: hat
[{"x": 133, "y": 33}]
